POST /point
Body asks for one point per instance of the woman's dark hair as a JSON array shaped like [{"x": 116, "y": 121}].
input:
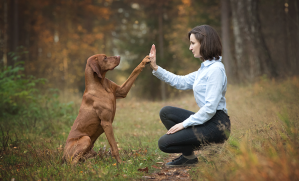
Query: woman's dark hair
[{"x": 210, "y": 44}]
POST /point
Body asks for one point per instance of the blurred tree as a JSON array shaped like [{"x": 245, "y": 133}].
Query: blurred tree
[
  {"x": 5, "y": 36},
  {"x": 192, "y": 13},
  {"x": 226, "y": 46},
  {"x": 15, "y": 24},
  {"x": 68, "y": 33},
  {"x": 253, "y": 58},
  {"x": 165, "y": 24},
  {"x": 146, "y": 23},
  {"x": 61, "y": 35}
]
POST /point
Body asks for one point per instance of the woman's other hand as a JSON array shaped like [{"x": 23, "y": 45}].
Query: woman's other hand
[
  {"x": 175, "y": 128},
  {"x": 152, "y": 55}
]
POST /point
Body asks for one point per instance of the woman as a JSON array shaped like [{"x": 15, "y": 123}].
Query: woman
[{"x": 188, "y": 130}]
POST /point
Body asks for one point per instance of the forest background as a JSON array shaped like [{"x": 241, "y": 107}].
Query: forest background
[
  {"x": 54, "y": 38},
  {"x": 44, "y": 45}
]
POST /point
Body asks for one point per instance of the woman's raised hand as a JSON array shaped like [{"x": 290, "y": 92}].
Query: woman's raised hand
[{"x": 153, "y": 58}]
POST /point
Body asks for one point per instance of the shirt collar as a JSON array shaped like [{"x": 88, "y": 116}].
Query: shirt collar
[{"x": 208, "y": 62}]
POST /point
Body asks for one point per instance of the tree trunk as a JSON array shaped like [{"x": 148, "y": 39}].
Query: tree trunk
[
  {"x": 292, "y": 20},
  {"x": 225, "y": 27},
  {"x": 287, "y": 43},
  {"x": 5, "y": 34},
  {"x": 16, "y": 25},
  {"x": 161, "y": 49},
  {"x": 297, "y": 23},
  {"x": 252, "y": 55}
]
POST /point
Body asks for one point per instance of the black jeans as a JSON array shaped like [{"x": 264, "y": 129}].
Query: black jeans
[{"x": 216, "y": 130}]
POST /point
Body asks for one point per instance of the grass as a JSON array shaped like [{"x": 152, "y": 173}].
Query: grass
[
  {"x": 264, "y": 141},
  {"x": 263, "y": 144},
  {"x": 34, "y": 152}
]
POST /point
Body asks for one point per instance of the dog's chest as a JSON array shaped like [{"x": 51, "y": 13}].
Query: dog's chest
[
  {"x": 101, "y": 100},
  {"x": 107, "y": 101}
]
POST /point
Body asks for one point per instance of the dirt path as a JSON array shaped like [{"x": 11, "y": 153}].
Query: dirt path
[{"x": 166, "y": 173}]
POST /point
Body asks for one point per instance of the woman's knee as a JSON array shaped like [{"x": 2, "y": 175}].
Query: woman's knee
[
  {"x": 162, "y": 143},
  {"x": 164, "y": 111}
]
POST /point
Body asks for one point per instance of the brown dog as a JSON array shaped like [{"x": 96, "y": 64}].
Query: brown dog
[{"x": 98, "y": 107}]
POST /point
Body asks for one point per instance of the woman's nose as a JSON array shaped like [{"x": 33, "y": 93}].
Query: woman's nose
[{"x": 190, "y": 47}]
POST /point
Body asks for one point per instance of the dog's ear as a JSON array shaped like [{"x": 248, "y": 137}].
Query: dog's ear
[{"x": 93, "y": 63}]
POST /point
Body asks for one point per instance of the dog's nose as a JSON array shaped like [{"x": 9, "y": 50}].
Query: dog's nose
[{"x": 118, "y": 57}]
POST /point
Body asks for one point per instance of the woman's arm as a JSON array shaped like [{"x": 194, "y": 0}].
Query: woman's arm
[{"x": 179, "y": 82}]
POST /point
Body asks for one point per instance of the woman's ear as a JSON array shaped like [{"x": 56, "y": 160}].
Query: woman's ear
[{"x": 93, "y": 63}]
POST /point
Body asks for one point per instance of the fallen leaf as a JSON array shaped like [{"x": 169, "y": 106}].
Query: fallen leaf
[
  {"x": 143, "y": 170},
  {"x": 184, "y": 175},
  {"x": 161, "y": 173},
  {"x": 159, "y": 163},
  {"x": 148, "y": 177},
  {"x": 176, "y": 173},
  {"x": 154, "y": 166},
  {"x": 168, "y": 173}
]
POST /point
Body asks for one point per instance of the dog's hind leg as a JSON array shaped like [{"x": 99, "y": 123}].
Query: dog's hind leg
[
  {"x": 77, "y": 149},
  {"x": 89, "y": 154}
]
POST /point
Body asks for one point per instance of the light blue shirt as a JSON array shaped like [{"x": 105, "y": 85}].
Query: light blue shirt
[{"x": 209, "y": 85}]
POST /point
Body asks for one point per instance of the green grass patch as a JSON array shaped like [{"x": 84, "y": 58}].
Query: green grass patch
[{"x": 263, "y": 144}]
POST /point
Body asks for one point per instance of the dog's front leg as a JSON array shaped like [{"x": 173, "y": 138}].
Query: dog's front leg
[
  {"x": 107, "y": 126},
  {"x": 122, "y": 91}
]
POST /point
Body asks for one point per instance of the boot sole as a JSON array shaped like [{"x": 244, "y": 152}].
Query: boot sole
[{"x": 184, "y": 165}]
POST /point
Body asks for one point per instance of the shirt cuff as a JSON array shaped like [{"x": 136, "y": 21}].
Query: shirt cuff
[
  {"x": 186, "y": 123},
  {"x": 154, "y": 71},
  {"x": 158, "y": 72}
]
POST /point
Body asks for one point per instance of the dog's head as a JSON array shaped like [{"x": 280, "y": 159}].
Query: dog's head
[{"x": 101, "y": 63}]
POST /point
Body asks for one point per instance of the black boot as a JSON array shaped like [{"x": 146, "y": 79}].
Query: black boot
[{"x": 182, "y": 161}]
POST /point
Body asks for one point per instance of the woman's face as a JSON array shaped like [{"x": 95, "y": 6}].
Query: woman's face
[{"x": 194, "y": 46}]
